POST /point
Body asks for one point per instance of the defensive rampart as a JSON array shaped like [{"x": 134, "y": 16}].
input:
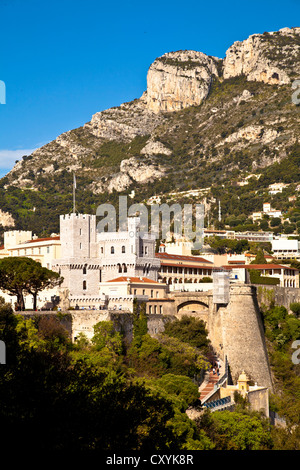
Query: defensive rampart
[{"x": 235, "y": 329}]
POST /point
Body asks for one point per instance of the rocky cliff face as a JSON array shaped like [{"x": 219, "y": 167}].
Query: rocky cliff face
[
  {"x": 147, "y": 139},
  {"x": 272, "y": 58},
  {"x": 180, "y": 79}
]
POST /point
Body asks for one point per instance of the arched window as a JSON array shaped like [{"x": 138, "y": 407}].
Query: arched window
[
  {"x": 120, "y": 268},
  {"x": 123, "y": 249},
  {"x": 84, "y": 270},
  {"x": 112, "y": 250},
  {"x": 124, "y": 268}
]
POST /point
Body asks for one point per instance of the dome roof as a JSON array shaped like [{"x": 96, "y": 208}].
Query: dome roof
[{"x": 243, "y": 377}]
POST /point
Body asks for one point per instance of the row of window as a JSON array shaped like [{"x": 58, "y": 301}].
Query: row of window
[
  {"x": 144, "y": 293},
  {"x": 156, "y": 309},
  {"x": 32, "y": 251},
  {"x": 123, "y": 250},
  {"x": 181, "y": 270}
]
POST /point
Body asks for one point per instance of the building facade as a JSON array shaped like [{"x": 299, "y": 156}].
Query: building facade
[
  {"x": 286, "y": 249},
  {"x": 89, "y": 258}
]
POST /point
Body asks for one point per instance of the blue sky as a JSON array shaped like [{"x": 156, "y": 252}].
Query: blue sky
[{"x": 62, "y": 61}]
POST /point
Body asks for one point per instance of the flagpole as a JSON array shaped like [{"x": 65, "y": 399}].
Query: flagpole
[{"x": 74, "y": 187}]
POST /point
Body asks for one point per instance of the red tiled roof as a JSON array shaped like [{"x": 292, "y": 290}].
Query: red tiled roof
[
  {"x": 236, "y": 262},
  {"x": 266, "y": 256},
  {"x": 144, "y": 280},
  {"x": 260, "y": 266},
  {"x": 43, "y": 239},
  {"x": 168, "y": 256},
  {"x": 186, "y": 265}
]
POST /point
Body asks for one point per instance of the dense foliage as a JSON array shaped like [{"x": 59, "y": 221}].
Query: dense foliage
[
  {"x": 282, "y": 330},
  {"x": 109, "y": 395}
]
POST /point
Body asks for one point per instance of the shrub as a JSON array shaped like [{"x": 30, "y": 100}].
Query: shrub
[{"x": 295, "y": 307}]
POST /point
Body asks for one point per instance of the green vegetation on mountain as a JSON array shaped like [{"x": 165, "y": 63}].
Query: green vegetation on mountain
[{"x": 214, "y": 145}]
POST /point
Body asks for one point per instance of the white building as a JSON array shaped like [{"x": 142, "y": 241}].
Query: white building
[
  {"x": 89, "y": 258},
  {"x": 277, "y": 188},
  {"x": 267, "y": 210},
  {"x": 287, "y": 276},
  {"x": 286, "y": 249}
]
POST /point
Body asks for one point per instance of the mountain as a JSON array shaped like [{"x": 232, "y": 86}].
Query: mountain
[{"x": 203, "y": 122}]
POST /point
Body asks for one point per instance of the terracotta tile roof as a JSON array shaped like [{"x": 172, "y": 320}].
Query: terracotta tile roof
[
  {"x": 187, "y": 265},
  {"x": 251, "y": 255},
  {"x": 43, "y": 239},
  {"x": 260, "y": 266},
  {"x": 144, "y": 280},
  {"x": 168, "y": 256}
]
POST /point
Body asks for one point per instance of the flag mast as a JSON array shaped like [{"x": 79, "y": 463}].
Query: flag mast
[{"x": 74, "y": 187}]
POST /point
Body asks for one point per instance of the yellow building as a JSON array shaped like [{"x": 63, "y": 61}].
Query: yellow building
[{"x": 257, "y": 396}]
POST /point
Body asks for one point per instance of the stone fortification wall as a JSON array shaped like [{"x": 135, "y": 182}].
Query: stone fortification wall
[
  {"x": 279, "y": 295},
  {"x": 64, "y": 319},
  {"x": 237, "y": 331},
  {"x": 83, "y": 321}
]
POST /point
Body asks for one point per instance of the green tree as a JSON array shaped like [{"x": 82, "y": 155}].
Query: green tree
[
  {"x": 139, "y": 320},
  {"x": 275, "y": 221},
  {"x": 295, "y": 307},
  {"x": 40, "y": 278},
  {"x": 190, "y": 330},
  {"x": 259, "y": 258},
  {"x": 105, "y": 336},
  {"x": 60, "y": 403},
  {"x": 181, "y": 387},
  {"x": 241, "y": 430},
  {"x": 14, "y": 278},
  {"x": 19, "y": 275}
]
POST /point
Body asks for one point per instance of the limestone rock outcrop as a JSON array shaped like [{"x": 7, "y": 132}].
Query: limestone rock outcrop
[
  {"x": 6, "y": 219},
  {"x": 123, "y": 123},
  {"x": 179, "y": 79},
  {"x": 271, "y": 58}
]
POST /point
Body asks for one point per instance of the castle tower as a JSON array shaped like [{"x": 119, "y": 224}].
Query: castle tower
[
  {"x": 78, "y": 263},
  {"x": 78, "y": 236},
  {"x": 236, "y": 330},
  {"x": 134, "y": 235}
]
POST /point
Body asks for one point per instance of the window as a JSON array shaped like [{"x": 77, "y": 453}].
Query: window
[
  {"x": 144, "y": 291},
  {"x": 48, "y": 249},
  {"x": 101, "y": 249},
  {"x": 80, "y": 231},
  {"x": 151, "y": 292},
  {"x": 84, "y": 270},
  {"x": 84, "y": 285},
  {"x": 123, "y": 249},
  {"x": 112, "y": 250},
  {"x": 134, "y": 292},
  {"x": 146, "y": 250},
  {"x": 80, "y": 246}
]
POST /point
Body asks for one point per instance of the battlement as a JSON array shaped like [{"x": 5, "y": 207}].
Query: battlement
[
  {"x": 75, "y": 216},
  {"x": 16, "y": 237}
]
